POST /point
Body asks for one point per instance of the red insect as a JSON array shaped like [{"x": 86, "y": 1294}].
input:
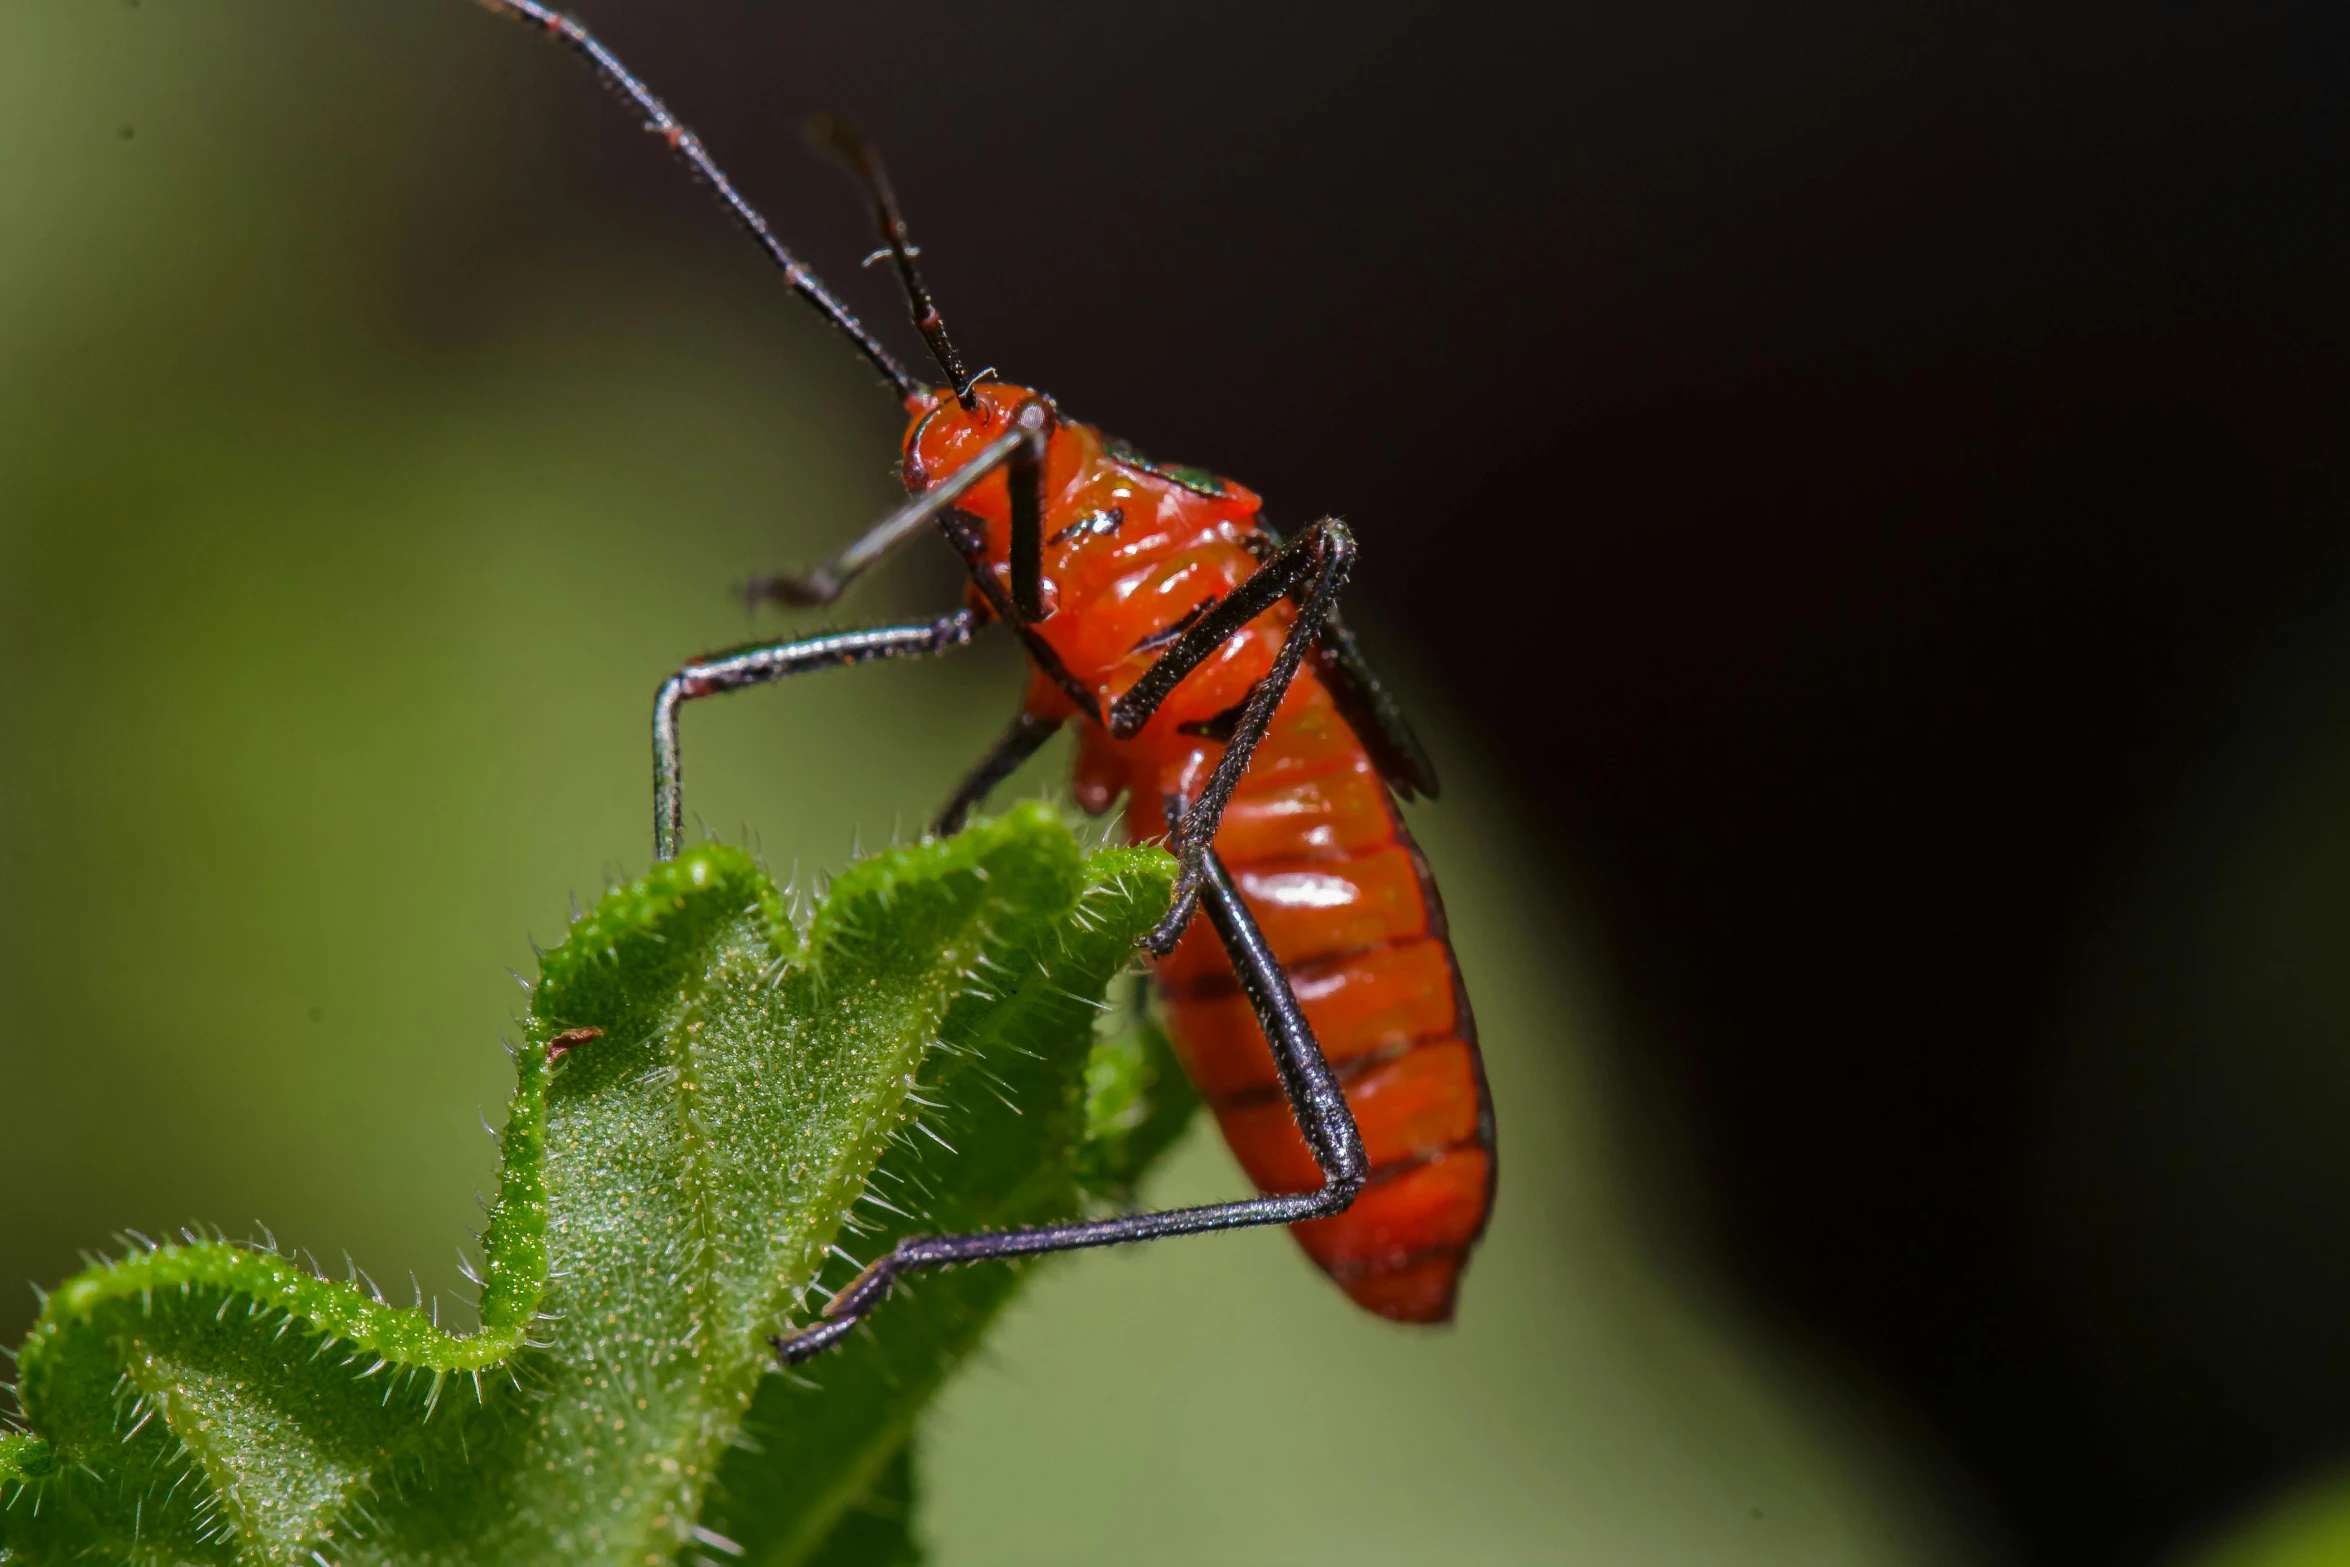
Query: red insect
[{"x": 1318, "y": 1007}]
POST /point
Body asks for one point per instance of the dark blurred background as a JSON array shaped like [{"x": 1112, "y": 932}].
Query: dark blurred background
[
  {"x": 1860, "y": 465},
  {"x": 1874, "y": 477}
]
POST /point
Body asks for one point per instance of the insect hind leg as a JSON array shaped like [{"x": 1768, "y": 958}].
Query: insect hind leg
[{"x": 1315, "y": 1098}]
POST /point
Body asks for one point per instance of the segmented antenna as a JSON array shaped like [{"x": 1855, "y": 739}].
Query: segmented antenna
[
  {"x": 660, "y": 122},
  {"x": 832, "y": 134}
]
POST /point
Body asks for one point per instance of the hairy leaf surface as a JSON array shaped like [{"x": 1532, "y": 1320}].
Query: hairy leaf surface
[{"x": 704, "y": 1095}]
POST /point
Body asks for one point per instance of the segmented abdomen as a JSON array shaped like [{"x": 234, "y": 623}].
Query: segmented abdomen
[
  {"x": 1132, "y": 552},
  {"x": 1345, "y": 900}
]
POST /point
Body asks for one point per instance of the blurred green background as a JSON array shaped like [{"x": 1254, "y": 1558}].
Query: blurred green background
[{"x": 336, "y": 574}]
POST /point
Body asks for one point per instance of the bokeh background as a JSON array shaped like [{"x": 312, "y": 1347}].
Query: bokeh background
[{"x": 1857, "y": 494}]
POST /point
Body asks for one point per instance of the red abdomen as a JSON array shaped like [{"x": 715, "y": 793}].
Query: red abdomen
[
  {"x": 1321, "y": 858},
  {"x": 1131, "y": 551}
]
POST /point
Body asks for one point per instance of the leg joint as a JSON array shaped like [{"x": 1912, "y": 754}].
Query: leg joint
[{"x": 1339, "y": 1191}]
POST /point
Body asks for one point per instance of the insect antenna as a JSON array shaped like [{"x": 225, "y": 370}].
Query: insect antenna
[
  {"x": 831, "y": 134},
  {"x": 660, "y": 122}
]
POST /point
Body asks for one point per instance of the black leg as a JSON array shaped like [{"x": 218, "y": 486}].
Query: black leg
[
  {"x": 1021, "y": 446},
  {"x": 753, "y": 666},
  {"x": 1314, "y": 1098},
  {"x": 969, "y": 536},
  {"x": 1024, "y": 476},
  {"x": 1361, "y": 697},
  {"x": 1264, "y": 588},
  {"x": 1020, "y": 742},
  {"x": 1321, "y": 558}
]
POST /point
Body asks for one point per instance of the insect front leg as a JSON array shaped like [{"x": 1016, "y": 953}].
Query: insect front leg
[
  {"x": 1315, "y": 1098},
  {"x": 754, "y": 666},
  {"x": 1019, "y": 449},
  {"x": 1318, "y": 561}
]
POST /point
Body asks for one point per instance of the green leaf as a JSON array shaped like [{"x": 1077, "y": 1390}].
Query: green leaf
[
  {"x": 1008, "y": 1146},
  {"x": 878, "y": 1531},
  {"x": 675, "y": 1186}
]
